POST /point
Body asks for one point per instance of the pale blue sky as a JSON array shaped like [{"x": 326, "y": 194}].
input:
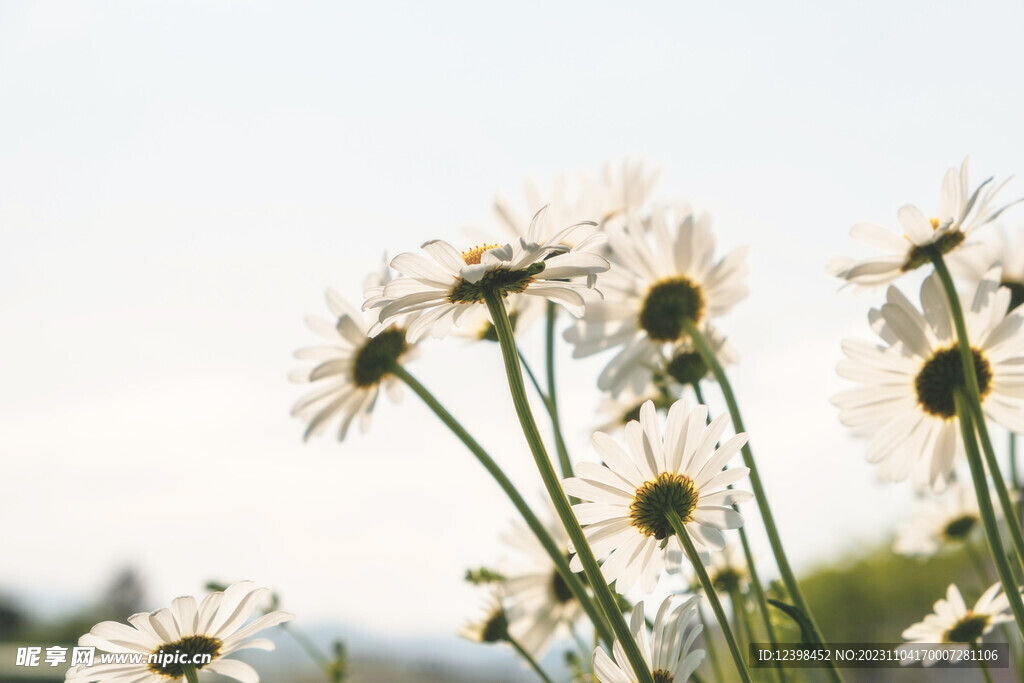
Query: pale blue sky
[{"x": 179, "y": 182}]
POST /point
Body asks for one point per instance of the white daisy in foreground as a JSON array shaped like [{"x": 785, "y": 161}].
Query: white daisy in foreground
[
  {"x": 935, "y": 523},
  {"x": 956, "y": 626},
  {"x": 908, "y": 381},
  {"x": 445, "y": 286},
  {"x": 350, "y": 370},
  {"x": 544, "y": 604},
  {"x": 668, "y": 653},
  {"x": 627, "y": 521},
  {"x": 663, "y": 274},
  {"x": 960, "y": 212},
  {"x": 184, "y": 633}
]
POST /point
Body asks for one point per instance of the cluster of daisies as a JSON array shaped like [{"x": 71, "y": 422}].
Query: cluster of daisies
[
  {"x": 936, "y": 377},
  {"x": 639, "y": 277}
]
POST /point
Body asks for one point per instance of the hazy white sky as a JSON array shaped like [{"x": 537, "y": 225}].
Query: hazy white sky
[{"x": 179, "y": 182}]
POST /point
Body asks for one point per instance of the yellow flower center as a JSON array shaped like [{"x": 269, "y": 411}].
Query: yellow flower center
[{"x": 472, "y": 256}]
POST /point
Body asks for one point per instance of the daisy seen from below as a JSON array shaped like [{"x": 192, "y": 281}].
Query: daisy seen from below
[
  {"x": 351, "y": 369},
  {"x": 956, "y": 626},
  {"x": 625, "y": 515},
  {"x": 1004, "y": 248},
  {"x": 907, "y": 382},
  {"x": 621, "y": 189},
  {"x": 960, "y": 212},
  {"x": 208, "y": 632},
  {"x": 663, "y": 275},
  {"x": 444, "y": 287},
  {"x": 669, "y": 651},
  {"x": 940, "y": 522},
  {"x": 544, "y": 603}
]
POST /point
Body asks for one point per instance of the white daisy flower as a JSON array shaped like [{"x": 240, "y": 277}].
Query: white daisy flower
[
  {"x": 215, "y": 627},
  {"x": 678, "y": 467},
  {"x": 955, "y": 625},
  {"x": 937, "y": 522},
  {"x": 545, "y": 606},
  {"x": 959, "y": 214},
  {"x": 668, "y": 652},
  {"x": 663, "y": 273},
  {"x": 1003, "y": 248},
  {"x": 445, "y": 286},
  {"x": 351, "y": 369},
  {"x": 492, "y": 625},
  {"x": 621, "y": 189},
  {"x": 908, "y": 381}
]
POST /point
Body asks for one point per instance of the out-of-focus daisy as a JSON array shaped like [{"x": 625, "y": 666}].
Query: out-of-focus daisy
[
  {"x": 938, "y": 522},
  {"x": 960, "y": 212},
  {"x": 663, "y": 274},
  {"x": 351, "y": 369},
  {"x": 544, "y": 604},
  {"x": 492, "y": 625},
  {"x": 618, "y": 411},
  {"x": 956, "y": 626},
  {"x": 620, "y": 190},
  {"x": 908, "y": 381},
  {"x": 1003, "y": 248},
  {"x": 678, "y": 468},
  {"x": 668, "y": 653},
  {"x": 476, "y": 324},
  {"x": 216, "y": 627},
  {"x": 445, "y": 286}
]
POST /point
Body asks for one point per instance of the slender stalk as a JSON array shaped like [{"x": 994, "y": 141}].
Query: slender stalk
[
  {"x": 740, "y": 618},
  {"x": 309, "y": 647},
  {"x": 786, "y": 572},
  {"x": 552, "y": 397},
  {"x": 1015, "y": 474},
  {"x": 529, "y": 659},
  {"x": 755, "y": 580},
  {"x": 988, "y": 515},
  {"x": 979, "y": 566},
  {"x": 709, "y": 641},
  {"x": 982, "y": 664},
  {"x": 1009, "y": 509},
  {"x": 973, "y": 397},
  {"x": 579, "y": 541},
  {"x": 190, "y": 673},
  {"x": 557, "y": 554},
  {"x": 709, "y": 590}
]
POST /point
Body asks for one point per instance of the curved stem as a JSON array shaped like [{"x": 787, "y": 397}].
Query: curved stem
[
  {"x": 973, "y": 401},
  {"x": 552, "y": 397},
  {"x": 755, "y": 580},
  {"x": 529, "y": 659},
  {"x": 1015, "y": 474},
  {"x": 709, "y": 641},
  {"x": 540, "y": 456},
  {"x": 709, "y": 590},
  {"x": 786, "y": 572},
  {"x": 982, "y": 664},
  {"x": 557, "y": 555},
  {"x": 988, "y": 515}
]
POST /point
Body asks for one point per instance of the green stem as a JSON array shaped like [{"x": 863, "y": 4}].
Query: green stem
[
  {"x": 529, "y": 660},
  {"x": 982, "y": 664},
  {"x": 557, "y": 554},
  {"x": 1015, "y": 474},
  {"x": 707, "y": 353},
  {"x": 974, "y": 404},
  {"x": 499, "y": 317},
  {"x": 552, "y": 397},
  {"x": 709, "y": 590},
  {"x": 309, "y": 647},
  {"x": 740, "y": 618},
  {"x": 988, "y": 515},
  {"x": 709, "y": 642},
  {"x": 755, "y": 580},
  {"x": 190, "y": 673}
]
